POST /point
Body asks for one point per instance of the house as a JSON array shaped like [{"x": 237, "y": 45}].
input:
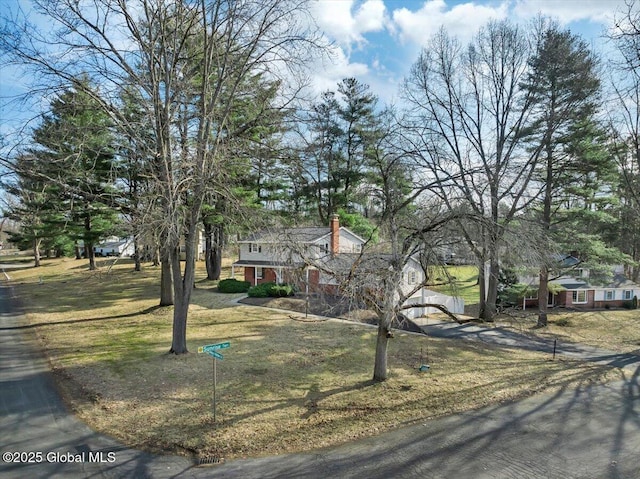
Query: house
[
  {"x": 114, "y": 246},
  {"x": 277, "y": 256},
  {"x": 573, "y": 289},
  {"x": 285, "y": 256},
  {"x": 201, "y": 247}
]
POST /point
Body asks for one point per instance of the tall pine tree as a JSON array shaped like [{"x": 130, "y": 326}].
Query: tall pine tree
[
  {"x": 74, "y": 148},
  {"x": 564, "y": 85}
]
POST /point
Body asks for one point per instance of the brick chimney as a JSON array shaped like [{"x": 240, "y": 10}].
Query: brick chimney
[{"x": 335, "y": 235}]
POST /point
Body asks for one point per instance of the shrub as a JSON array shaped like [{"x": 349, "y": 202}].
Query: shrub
[
  {"x": 273, "y": 290},
  {"x": 260, "y": 290},
  {"x": 281, "y": 291},
  {"x": 233, "y": 286},
  {"x": 563, "y": 322}
]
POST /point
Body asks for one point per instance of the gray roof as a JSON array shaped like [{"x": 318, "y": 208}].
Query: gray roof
[
  {"x": 304, "y": 235},
  {"x": 566, "y": 260},
  {"x": 572, "y": 286},
  {"x": 267, "y": 264},
  {"x": 621, "y": 281},
  {"x": 363, "y": 262}
]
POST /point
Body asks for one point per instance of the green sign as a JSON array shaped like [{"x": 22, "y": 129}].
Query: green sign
[
  {"x": 214, "y": 354},
  {"x": 214, "y": 347}
]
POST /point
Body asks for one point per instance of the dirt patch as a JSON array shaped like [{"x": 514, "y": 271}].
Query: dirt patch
[{"x": 326, "y": 305}]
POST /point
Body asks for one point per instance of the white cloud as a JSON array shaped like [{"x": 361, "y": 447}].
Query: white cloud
[
  {"x": 327, "y": 73},
  {"x": 346, "y": 21},
  {"x": 462, "y": 20},
  {"x": 567, "y": 11}
]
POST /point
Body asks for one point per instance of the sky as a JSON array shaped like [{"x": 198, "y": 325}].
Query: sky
[{"x": 377, "y": 41}]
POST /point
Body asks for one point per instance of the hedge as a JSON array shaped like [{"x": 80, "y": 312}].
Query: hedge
[
  {"x": 233, "y": 286},
  {"x": 273, "y": 290}
]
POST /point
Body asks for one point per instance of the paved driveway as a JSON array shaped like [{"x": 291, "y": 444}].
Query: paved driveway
[{"x": 592, "y": 431}]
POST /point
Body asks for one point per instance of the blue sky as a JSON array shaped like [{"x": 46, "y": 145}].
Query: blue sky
[{"x": 377, "y": 41}]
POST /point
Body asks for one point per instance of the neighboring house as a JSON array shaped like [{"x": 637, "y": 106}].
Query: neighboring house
[
  {"x": 115, "y": 247},
  {"x": 112, "y": 246},
  {"x": 200, "y": 245},
  {"x": 277, "y": 256},
  {"x": 574, "y": 290}
]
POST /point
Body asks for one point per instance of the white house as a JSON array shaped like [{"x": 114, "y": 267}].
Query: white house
[{"x": 114, "y": 246}]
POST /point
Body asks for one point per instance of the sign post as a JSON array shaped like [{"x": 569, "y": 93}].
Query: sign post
[
  {"x": 212, "y": 350},
  {"x": 215, "y": 381}
]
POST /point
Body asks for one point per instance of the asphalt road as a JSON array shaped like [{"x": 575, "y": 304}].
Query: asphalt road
[{"x": 592, "y": 431}]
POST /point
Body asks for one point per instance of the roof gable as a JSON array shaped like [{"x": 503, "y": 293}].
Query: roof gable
[{"x": 309, "y": 234}]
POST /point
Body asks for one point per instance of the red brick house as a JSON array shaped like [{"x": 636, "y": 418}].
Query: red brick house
[{"x": 277, "y": 255}]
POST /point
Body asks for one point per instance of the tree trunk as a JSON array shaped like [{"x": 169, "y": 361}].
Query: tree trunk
[
  {"x": 137, "y": 255},
  {"x": 36, "y": 251},
  {"x": 543, "y": 293},
  {"x": 88, "y": 245},
  {"x": 88, "y": 248},
  {"x": 385, "y": 320},
  {"x": 180, "y": 307},
  {"x": 490, "y": 309},
  {"x": 482, "y": 285},
  {"x": 213, "y": 255},
  {"x": 380, "y": 366},
  {"x": 166, "y": 284},
  {"x": 543, "y": 287},
  {"x": 182, "y": 289}
]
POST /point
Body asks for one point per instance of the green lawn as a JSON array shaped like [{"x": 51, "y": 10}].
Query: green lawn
[{"x": 460, "y": 281}]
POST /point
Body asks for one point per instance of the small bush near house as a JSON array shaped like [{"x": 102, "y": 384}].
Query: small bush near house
[
  {"x": 260, "y": 290},
  {"x": 233, "y": 286},
  {"x": 564, "y": 322},
  {"x": 628, "y": 304},
  {"x": 281, "y": 291},
  {"x": 273, "y": 290}
]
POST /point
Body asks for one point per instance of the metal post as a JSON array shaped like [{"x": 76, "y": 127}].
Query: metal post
[
  {"x": 555, "y": 341},
  {"x": 214, "y": 389}
]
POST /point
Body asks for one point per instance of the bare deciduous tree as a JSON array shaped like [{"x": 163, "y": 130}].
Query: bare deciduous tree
[
  {"x": 466, "y": 115},
  {"x": 624, "y": 113},
  {"x": 164, "y": 49}
]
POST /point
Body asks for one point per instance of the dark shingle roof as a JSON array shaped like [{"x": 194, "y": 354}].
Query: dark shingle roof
[{"x": 304, "y": 235}]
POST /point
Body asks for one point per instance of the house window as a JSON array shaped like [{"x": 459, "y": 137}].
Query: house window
[
  {"x": 325, "y": 248},
  {"x": 579, "y": 296},
  {"x": 259, "y": 273},
  {"x": 627, "y": 294},
  {"x": 255, "y": 248},
  {"x": 609, "y": 295},
  {"x": 412, "y": 277}
]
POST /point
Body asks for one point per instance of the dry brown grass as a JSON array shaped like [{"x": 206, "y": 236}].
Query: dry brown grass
[
  {"x": 615, "y": 330},
  {"x": 284, "y": 385}
]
